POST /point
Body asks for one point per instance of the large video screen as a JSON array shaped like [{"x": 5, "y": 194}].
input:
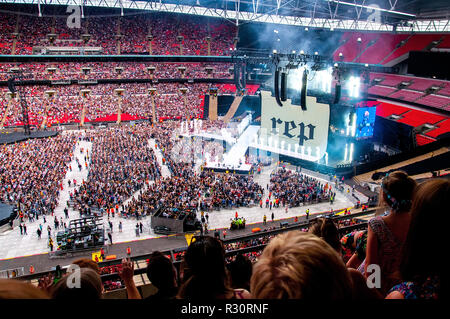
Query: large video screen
[{"x": 365, "y": 122}]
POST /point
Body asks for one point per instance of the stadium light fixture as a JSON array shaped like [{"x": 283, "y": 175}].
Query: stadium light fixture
[
  {"x": 353, "y": 86},
  {"x": 345, "y": 152},
  {"x": 370, "y": 7},
  {"x": 350, "y": 157},
  {"x": 353, "y": 126}
]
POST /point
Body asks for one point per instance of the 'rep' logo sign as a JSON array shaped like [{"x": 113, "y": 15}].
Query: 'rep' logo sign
[{"x": 293, "y": 127}]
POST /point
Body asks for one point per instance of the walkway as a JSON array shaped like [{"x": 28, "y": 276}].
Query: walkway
[{"x": 238, "y": 150}]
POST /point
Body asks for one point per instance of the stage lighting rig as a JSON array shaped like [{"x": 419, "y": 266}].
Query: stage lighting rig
[
  {"x": 319, "y": 67},
  {"x": 283, "y": 62}
]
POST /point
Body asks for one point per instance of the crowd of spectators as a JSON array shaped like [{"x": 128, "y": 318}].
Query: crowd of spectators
[
  {"x": 263, "y": 240},
  {"x": 229, "y": 191},
  {"x": 295, "y": 264},
  {"x": 121, "y": 163},
  {"x": 187, "y": 191},
  {"x": 31, "y": 173},
  {"x": 67, "y": 103},
  {"x": 118, "y": 34},
  {"x": 67, "y": 106},
  {"x": 113, "y": 70},
  {"x": 294, "y": 188}
]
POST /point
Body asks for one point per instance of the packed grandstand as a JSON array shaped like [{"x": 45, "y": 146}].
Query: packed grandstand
[{"x": 125, "y": 158}]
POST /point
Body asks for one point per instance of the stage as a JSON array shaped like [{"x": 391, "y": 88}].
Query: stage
[
  {"x": 231, "y": 168},
  {"x": 14, "y": 137},
  {"x": 252, "y": 142}
]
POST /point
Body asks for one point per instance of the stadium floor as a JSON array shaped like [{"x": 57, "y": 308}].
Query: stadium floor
[{"x": 23, "y": 250}]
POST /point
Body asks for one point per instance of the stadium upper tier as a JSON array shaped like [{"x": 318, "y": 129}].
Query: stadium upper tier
[
  {"x": 385, "y": 48},
  {"x": 429, "y": 92},
  {"x": 159, "y": 33},
  {"x": 154, "y": 33}
]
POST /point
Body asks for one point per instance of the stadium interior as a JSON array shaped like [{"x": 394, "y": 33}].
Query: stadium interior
[{"x": 134, "y": 133}]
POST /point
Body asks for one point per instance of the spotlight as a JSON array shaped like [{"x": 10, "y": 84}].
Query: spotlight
[
  {"x": 346, "y": 153},
  {"x": 293, "y": 51},
  {"x": 302, "y": 52},
  {"x": 350, "y": 157},
  {"x": 340, "y": 54},
  {"x": 335, "y": 65},
  {"x": 274, "y": 51},
  {"x": 359, "y": 40},
  {"x": 366, "y": 65},
  {"x": 306, "y": 29},
  {"x": 316, "y": 53}
]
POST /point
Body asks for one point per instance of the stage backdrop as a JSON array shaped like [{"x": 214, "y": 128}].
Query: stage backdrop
[{"x": 293, "y": 126}]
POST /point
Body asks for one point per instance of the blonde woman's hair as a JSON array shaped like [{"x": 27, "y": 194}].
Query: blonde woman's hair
[{"x": 298, "y": 265}]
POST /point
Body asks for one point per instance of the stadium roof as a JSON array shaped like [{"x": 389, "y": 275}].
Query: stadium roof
[{"x": 368, "y": 15}]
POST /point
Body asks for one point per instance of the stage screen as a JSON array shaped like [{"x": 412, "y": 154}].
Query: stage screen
[
  {"x": 365, "y": 122},
  {"x": 292, "y": 129}
]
